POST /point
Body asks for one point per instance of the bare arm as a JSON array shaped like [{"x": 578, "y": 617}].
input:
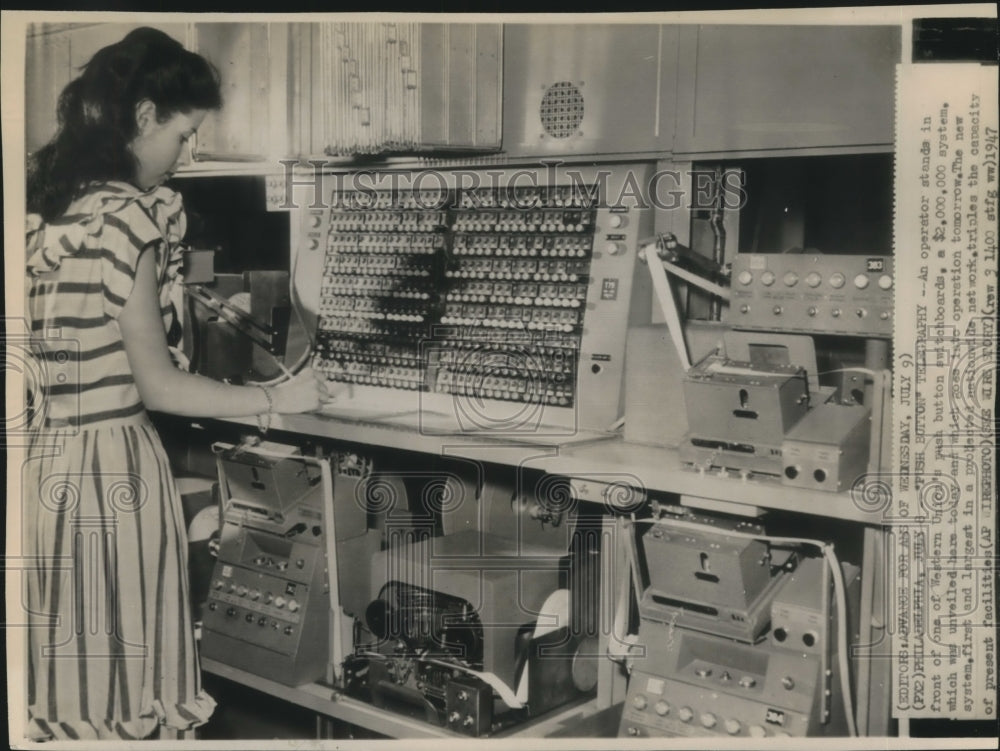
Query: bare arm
[{"x": 164, "y": 388}]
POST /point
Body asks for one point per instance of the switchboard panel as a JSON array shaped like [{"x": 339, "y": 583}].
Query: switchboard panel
[{"x": 473, "y": 301}]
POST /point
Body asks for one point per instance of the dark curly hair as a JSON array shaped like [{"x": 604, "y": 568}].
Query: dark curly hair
[{"x": 97, "y": 114}]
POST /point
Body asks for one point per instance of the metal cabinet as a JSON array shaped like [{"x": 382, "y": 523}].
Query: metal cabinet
[
  {"x": 588, "y": 88},
  {"x": 747, "y": 88},
  {"x": 252, "y": 62}
]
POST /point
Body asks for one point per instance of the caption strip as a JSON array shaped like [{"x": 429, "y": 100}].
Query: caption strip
[{"x": 942, "y": 517}]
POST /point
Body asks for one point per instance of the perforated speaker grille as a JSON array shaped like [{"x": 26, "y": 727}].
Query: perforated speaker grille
[{"x": 561, "y": 111}]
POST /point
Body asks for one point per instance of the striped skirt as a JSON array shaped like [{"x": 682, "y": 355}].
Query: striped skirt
[{"x": 111, "y": 643}]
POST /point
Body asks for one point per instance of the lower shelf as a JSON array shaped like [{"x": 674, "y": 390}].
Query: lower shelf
[{"x": 326, "y": 701}]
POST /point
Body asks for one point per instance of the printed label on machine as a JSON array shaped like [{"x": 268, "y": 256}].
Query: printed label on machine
[{"x": 941, "y": 511}]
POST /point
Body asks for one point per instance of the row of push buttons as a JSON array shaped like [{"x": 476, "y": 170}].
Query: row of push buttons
[
  {"x": 261, "y": 621},
  {"x": 708, "y": 720},
  {"x": 812, "y": 311},
  {"x": 255, "y": 594},
  {"x": 366, "y": 200},
  {"x": 542, "y": 197},
  {"x": 814, "y": 279}
]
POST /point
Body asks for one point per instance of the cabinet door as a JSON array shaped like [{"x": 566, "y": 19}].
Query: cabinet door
[
  {"x": 745, "y": 88},
  {"x": 460, "y": 77},
  {"x": 588, "y": 88},
  {"x": 252, "y": 65}
]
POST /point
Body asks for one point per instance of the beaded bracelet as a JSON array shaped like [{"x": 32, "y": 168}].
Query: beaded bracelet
[{"x": 261, "y": 425}]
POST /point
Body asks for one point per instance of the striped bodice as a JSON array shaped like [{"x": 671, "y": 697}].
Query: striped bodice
[{"x": 81, "y": 269}]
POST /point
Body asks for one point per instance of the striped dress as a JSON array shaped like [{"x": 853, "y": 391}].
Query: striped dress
[{"x": 111, "y": 644}]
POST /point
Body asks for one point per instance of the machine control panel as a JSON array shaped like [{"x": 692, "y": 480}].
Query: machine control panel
[{"x": 818, "y": 294}]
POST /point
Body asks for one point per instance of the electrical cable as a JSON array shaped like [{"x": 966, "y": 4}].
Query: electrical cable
[{"x": 289, "y": 372}]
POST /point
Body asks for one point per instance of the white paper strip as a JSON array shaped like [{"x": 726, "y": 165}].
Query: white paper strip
[
  {"x": 942, "y": 508},
  {"x": 668, "y": 305}
]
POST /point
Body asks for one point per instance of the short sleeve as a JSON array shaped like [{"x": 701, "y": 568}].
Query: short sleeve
[{"x": 124, "y": 235}]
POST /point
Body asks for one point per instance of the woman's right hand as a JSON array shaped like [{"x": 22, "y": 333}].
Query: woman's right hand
[{"x": 305, "y": 392}]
